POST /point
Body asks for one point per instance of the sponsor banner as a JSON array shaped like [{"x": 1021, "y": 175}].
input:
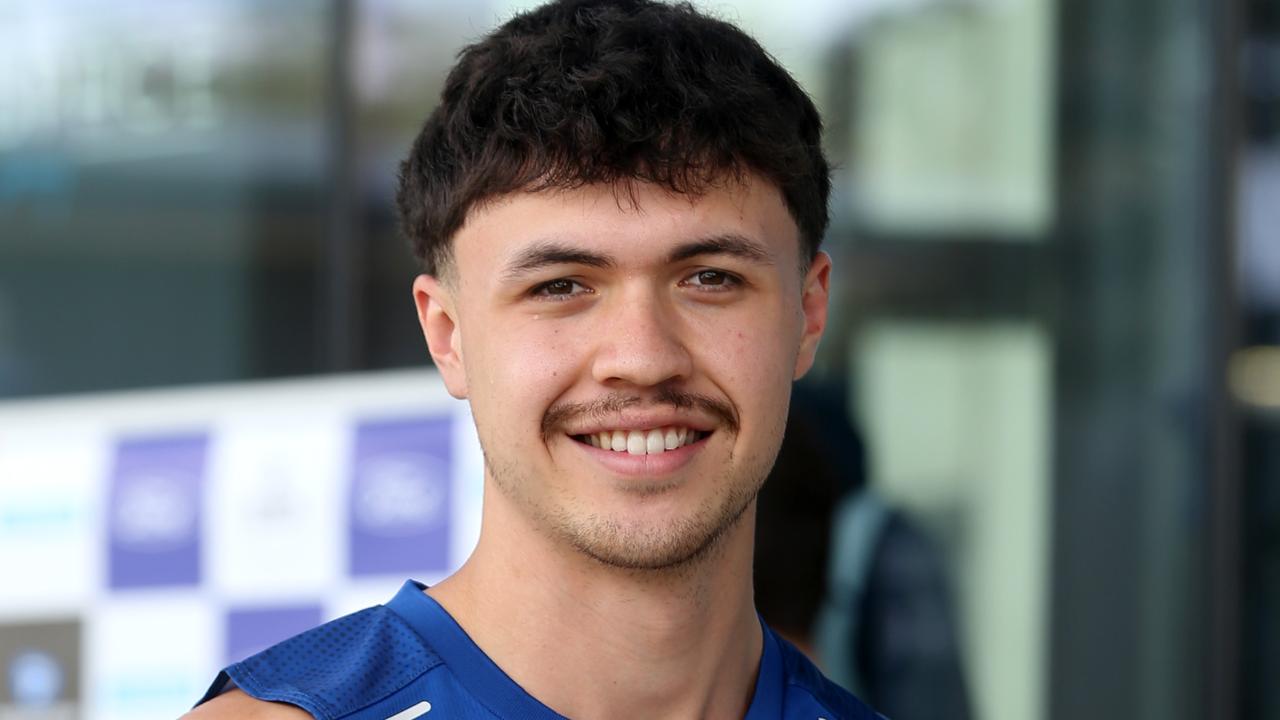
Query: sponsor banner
[
  {"x": 252, "y": 630},
  {"x": 40, "y": 670},
  {"x": 190, "y": 528},
  {"x": 468, "y": 487},
  {"x": 276, "y": 519},
  {"x": 50, "y": 527},
  {"x": 399, "y": 503},
  {"x": 151, "y": 656},
  {"x": 155, "y": 494}
]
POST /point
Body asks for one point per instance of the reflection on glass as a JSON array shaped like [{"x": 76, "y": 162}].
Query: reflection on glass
[{"x": 952, "y": 119}]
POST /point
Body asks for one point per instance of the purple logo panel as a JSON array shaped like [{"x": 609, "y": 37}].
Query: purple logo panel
[
  {"x": 252, "y": 630},
  {"x": 400, "y": 491},
  {"x": 154, "y": 521}
]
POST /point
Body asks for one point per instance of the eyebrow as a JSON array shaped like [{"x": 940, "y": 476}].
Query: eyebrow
[
  {"x": 550, "y": 252},
  {"x": 546, "y": 253},
  {"x": 738, "y": 246}
]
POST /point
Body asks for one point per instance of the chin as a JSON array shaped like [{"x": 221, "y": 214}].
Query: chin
[
  {"x": 643, "y": 553},
  {"x": 642, "y": 546}
]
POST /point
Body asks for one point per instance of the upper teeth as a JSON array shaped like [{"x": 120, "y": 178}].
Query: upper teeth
[{"x": 643, "y": 442}]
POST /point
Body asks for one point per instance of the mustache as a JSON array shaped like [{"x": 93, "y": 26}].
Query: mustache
[{"x": 563, "y": 413}]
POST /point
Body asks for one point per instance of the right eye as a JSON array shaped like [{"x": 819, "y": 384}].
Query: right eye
[{"x": 559, "y": 289}]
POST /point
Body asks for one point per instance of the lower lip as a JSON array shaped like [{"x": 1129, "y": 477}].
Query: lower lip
[{"x": 658, "y": 464}]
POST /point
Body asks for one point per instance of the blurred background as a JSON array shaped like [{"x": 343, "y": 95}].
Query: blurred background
[{"x": 1055, "y": 336}]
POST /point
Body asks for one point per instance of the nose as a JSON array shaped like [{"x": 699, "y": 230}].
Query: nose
[{"x": 640, "y": 342}]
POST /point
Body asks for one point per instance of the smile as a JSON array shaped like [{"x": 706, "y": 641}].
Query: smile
[{"x": 642, "y": 442}]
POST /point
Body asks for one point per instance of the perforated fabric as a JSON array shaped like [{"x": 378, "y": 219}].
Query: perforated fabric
[{"x": 340, "y": 666}]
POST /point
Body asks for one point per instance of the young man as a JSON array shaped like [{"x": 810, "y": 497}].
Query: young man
[{"x": 618, "y": 206}]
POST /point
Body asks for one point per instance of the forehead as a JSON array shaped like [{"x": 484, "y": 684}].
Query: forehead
[{"x": 634, "y": 222}]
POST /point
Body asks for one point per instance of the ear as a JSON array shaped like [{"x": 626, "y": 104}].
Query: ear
[
  {"x": 434, "y": 301},
  {"x": 813, "y": 304}
]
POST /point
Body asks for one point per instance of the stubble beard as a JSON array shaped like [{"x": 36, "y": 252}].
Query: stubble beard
[{"x": 675, "y": 546}]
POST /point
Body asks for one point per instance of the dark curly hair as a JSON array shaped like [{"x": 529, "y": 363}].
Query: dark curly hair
[{"x": 610, "y": 91}]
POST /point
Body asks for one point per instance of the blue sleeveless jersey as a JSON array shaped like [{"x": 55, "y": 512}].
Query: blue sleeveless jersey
[{"x": 408, "y": 659}]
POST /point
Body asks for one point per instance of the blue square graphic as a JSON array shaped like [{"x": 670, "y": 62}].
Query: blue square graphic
[
  {"x": 400, "y": 494},
  {"x": 154, "y": 522}
]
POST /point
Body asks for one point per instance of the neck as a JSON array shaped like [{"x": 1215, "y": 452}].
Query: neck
[{"x": 682, "y": 642}]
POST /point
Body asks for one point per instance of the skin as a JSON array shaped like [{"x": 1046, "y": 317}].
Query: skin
[{"x": 600, "y": 583}]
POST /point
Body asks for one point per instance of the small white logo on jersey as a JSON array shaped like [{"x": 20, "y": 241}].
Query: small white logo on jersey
[{"x": 418, "y": 710}]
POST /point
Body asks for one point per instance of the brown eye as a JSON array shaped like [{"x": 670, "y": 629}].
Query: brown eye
[
  {"x": 713, "y": 280},
  {"x": 560, "y": 289}
]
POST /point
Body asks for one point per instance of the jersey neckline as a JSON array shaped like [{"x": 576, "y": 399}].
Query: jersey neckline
[{"x": 489, "y": 685}]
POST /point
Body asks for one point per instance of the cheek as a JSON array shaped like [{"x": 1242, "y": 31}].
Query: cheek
[
  {"x": 756, "y": 357},
  {"x": 539, "y": 352},
  {"x": 756, "y": 349},
  {"x": 516, "y": 372}
]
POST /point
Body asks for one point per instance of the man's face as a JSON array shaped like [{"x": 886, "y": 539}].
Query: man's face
[{"x": 628, "y": 357}]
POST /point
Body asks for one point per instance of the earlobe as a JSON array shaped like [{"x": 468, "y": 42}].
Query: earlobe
[
  {"x": 434, "y": 302},
  {"x": 813, "y": 304}
]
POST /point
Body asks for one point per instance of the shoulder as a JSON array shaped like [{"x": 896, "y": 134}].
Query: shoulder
[
  {"x": 330, "y": 671},
  {"x": 806, "y": 685},
  {"x": 236, "y": 705}
]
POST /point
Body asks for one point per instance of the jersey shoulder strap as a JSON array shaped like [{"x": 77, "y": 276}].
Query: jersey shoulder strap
[{"x": 336, "y": 668}]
